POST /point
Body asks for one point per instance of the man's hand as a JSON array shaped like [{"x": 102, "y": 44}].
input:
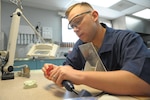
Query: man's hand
[
  {"x": 59, "y": 73},
  {"x": 47, "y": 70}
]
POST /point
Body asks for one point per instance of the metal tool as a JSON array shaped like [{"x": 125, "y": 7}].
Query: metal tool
[{"x": 69, "y": 86}]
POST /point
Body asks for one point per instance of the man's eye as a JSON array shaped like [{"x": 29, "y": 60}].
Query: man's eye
[
  {"x": 77, "y": 21},
  {"x": 72, "y": 26}
]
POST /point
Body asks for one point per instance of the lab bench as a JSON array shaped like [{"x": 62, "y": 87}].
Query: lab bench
[{"x": 37, "y": 63}]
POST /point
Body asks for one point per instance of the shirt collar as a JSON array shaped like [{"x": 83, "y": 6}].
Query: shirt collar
[{"x": 108, "y": 39}]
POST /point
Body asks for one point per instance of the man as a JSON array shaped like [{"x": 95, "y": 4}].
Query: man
[{"x": 123, "y": 53}]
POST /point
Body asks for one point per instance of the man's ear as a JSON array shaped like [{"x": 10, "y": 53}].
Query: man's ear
[{"x": 95, "y": 15}]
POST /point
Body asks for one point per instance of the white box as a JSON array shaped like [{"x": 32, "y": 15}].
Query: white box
[{"x": 47, "y": 32}]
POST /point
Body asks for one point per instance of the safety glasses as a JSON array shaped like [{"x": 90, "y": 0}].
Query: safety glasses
[{"x": 75, "y": 21}]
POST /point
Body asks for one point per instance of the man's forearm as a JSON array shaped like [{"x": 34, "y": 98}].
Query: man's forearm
[{"x": 117, "y": 82}]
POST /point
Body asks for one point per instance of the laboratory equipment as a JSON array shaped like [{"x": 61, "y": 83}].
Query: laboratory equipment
[
  {"x": 8, "y": 60},
  {"x": 25, "y": 71},
  {"x": 42, "y": 50},
  {"x": 7, "y": 57}
]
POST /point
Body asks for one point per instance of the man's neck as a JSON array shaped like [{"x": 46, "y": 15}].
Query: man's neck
[{"x": 99, "y": 38}]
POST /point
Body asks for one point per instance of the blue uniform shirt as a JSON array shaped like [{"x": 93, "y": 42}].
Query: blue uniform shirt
[{"x": 121, "y": 50}]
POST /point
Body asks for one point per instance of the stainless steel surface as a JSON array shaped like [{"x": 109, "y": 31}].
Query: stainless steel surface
[{"x": 93, "y": 61}]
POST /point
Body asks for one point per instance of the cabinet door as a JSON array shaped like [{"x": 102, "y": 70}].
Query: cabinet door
[
  {"x": 31, "y": 64},
  {"x": 59, "y": 61}
]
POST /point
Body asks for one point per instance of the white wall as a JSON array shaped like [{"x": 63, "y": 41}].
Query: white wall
[{"x": 47, "y": 18}]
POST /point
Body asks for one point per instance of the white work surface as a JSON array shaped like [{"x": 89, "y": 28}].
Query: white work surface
[{"x": 46, "y": 90}]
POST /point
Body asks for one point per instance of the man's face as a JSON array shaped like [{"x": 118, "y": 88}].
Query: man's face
[{"x": 82, "y": 22}]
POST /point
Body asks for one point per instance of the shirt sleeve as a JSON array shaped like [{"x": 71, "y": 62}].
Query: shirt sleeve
[
  {"x": 75, "y": 58},
  {"x": 136, "y": 56}
]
